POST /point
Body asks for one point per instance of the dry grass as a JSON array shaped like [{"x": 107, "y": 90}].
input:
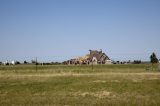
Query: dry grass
[
  {"x": 100, "y": 94},
  {"x": 101, "y": 87}
]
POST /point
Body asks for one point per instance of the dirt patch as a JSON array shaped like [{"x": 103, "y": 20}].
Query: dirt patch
[
  {"x": 39, "y": 94},
  {"x": 136, "y": 80},
  {"x": 102, "y": 81},
  {"x": 115, "y": 81},
  {"x": 100, "y": 94},
  {"x": 153, "y": 78},
  {"x": 99, "y": 81}
]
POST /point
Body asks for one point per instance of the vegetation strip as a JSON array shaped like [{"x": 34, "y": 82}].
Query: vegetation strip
[{"x": 77, "y": 74}]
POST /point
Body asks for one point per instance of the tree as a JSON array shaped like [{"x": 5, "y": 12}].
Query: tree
[
  {"x": 25, "y": 62},
  {"x": 153, "y": 59},
  {"x": 17, "y": 62}
]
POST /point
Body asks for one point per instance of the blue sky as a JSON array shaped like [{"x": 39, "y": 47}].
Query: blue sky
[{"x": 55, "y": 30}]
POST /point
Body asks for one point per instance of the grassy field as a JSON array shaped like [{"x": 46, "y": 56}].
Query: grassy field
[{"x": 105, "y": 85}]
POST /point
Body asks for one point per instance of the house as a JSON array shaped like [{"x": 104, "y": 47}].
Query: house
[
  {"x": 94, "y": 57},
  {"x": 13, "y": 62},
  {"x": 98, "y": 57},
  {"x": 6, "y": 63}
]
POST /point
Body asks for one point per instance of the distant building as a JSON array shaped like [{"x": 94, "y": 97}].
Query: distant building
[
  {"x": 6, "y": 63},
  {"x": 13, "y": 62},
  {"x": 98, "y": 57},
  {"x": 94, "y": 57}
]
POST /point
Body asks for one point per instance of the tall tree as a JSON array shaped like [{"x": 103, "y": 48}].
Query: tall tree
[{"x": 153, "y": 59}]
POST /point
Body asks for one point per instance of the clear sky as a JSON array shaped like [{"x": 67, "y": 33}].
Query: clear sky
[{"x": 55, "y": 30}]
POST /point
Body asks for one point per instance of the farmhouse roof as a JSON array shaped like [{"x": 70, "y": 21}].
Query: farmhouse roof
[{"x": 98, "y": 55}]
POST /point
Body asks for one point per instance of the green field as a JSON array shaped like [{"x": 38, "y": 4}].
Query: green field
[{"x": 59, "y": 85}]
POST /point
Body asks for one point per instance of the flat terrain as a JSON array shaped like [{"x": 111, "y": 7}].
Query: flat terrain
[{"x": 115, "y": 85}]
